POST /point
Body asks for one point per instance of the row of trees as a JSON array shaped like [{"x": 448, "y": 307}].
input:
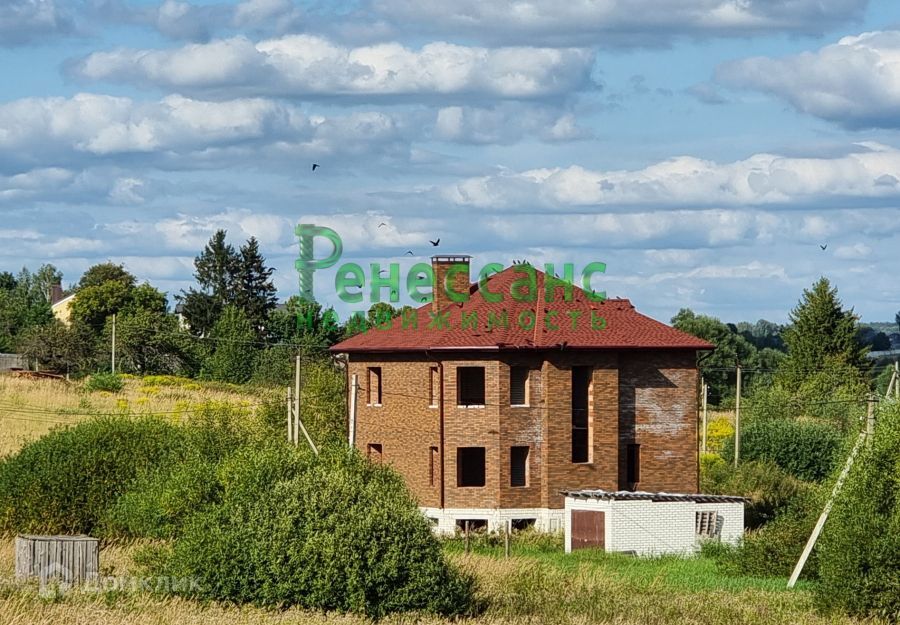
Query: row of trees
[
  {"x": 228, "y": 326},
  {"x": 822, "y": 350}
]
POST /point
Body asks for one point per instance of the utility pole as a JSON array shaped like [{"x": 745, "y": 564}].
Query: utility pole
[
  {"x": 113, "y": 359},
  {"x": 290, "y": 417},
  {"x": 297, "y": 366},
  {"x": 870, "y": 416},
  {"x": 704, "y": 390},
  {"x": 298, "y": 422},
  {"x": 861, "y": 439},
  {"x": 897, "y": 380},
  {"x": 737, "y": 418},
  {"x": 354, "y": 385}
]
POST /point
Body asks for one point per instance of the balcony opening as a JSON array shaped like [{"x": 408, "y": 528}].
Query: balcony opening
[{"x": 581, "y": 432}]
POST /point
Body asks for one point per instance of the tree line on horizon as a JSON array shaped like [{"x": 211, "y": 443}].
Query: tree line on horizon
[{"x": 234, "y": 330}]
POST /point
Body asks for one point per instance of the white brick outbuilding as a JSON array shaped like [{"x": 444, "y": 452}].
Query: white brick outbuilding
[{"x": 650, "y": 523}]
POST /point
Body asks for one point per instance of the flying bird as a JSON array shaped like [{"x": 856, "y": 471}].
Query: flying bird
[
  {"x": 382, "y": 224},
  {"x": 435, "y": 243},
  {"x": 823, "y": 247},
  {"x": 315, "y": 166},
  {"x": 409, "y": 253}
]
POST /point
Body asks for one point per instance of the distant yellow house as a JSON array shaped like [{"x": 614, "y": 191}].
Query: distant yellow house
[{"x": 62, "y": 309}]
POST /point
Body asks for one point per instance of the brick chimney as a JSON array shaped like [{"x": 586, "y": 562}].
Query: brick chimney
[
  {"x": 459, "y": 281},
  {"x": 56, "y": 293}
]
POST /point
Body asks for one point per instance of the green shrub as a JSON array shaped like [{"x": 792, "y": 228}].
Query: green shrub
[
  {"x": 768, "y": 488},
  {"x": 157, "y": 504},
  {"x": 66, "y": 480},
  {"x": 859, "y": 551},
  {"x": 110, "y": 382},
  {"x": 773, "y": 549},
  {"x": 121, "y": 476},
  {"x": 327, "y": 533},
  {"x": 805, "y": 449}
]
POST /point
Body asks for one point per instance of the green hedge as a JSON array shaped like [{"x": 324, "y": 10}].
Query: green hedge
[
  {"x": 805, "y": 449},
  {"x": 328, "y": 533}
]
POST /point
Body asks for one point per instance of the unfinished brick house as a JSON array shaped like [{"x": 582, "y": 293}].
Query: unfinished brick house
[{"x": 490, "y": 421}]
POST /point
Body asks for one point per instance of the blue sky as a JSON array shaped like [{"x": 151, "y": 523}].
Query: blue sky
[{"x": 704, "y": 149}]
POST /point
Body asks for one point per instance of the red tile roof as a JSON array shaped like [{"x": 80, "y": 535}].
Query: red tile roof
[{"x": 625, "y": 328}]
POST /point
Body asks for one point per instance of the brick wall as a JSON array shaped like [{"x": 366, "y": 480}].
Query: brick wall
[
  {"x": 658, "y": 411},
  {"x": 644, "y": 397}
]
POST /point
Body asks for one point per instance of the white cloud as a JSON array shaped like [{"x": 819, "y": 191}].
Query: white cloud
[
  {"x": 505, "y": 123},
  {"x": 687, "y": 181},
  {"x": 618, "y": 22},
  {"x": 855, "y": 82},
  {"x": 298, "y": 65},
  {"x": 28, "y": 21},
  {"x": 88, "y": 128},
  {"x": 856, "y": 251}
]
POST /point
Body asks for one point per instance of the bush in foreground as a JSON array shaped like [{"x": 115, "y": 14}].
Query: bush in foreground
[
  {"x": 65, "y": 481},
  {"x": 327, "y": 533},
  {"x": 120, "y": 476},
  {"x": 859, "y": 551}
]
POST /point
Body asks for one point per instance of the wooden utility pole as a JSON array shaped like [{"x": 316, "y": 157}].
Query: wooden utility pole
[
  {"x": 290, "y": 417},
  {"x": 862, "y": 438},
  {"x": 704, "y": 390},
  {"x": 297, "y": 366},
  {"x": 113, "y": 358},
  {"x": 354, "y": 385},
  {"x": 298, "y": 422},
  {"x": 870, "y": 416},
  {"x": 737, "y": 418},
  {"x": 897, "y": 380}
]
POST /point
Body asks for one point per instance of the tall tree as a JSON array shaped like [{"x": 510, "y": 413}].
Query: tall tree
[
  {"x": 7, "y": 281},
  {"x": 216, "y": 268},
  {"x": 106, "y": 272},
  {"x": 254, "y": 291},
  {"x": 897, "y": 320},
  {"x": 822, "y": 335}
]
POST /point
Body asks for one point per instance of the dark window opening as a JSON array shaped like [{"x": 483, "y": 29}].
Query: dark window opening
[
  {"x": 518, "y": 386},
  {"x": 470, "y": 466},
  {"x": 373, "y": 452},
  {"x": 470, "y": 386},
  {"x": 518, "y": 466},
  {"x": 581, "y": 382},
  {"x": 474, "y": 525},
  {"x": 432, "y": 466},
  {"x": 374, "y": 386},
  {"x": 520, "y": 525},
  {"x": 633, "y": 464}
]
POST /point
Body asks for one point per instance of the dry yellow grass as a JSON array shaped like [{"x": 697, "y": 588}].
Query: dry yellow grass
[
  {"x": 29, "y": 407},
  {"x": 524, "y": 589}
]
